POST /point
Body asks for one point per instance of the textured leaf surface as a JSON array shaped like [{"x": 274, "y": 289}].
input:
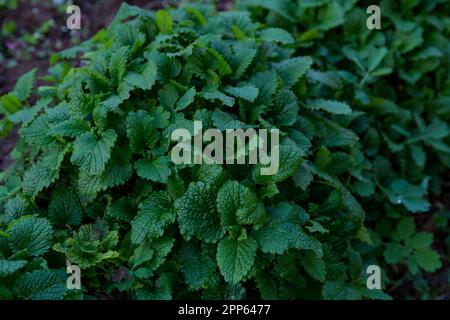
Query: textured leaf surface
[
  {"x": 156, "y": 170},
  {"x": 235, "y": 258},
  {"x": 41, "y": 285},
  {"x": 276, "y": 35},
  {"x": 91, "y": 154},
  {"x": 31, "y": 234},
  {"x": 293, "y": 69},
  {"x": 196, "y": 266},
  {"x": 24, "y": 85},
  {"x": 283, "y": 231},
  {"x": 141, "y": 130},
  {"x": 329, "y": 105},
  {"x": 43, "y": 173},
  {"x": 197, "y": 213},
  {"x": 236, "y": 202},
  {"x": 155, "y": 213},
  {"x": 65, "y": 208}
]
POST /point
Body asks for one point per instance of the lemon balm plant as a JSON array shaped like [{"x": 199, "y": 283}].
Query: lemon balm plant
[
  {"x": 398, "y": 77},
  {"x": 98, "y": 188}
]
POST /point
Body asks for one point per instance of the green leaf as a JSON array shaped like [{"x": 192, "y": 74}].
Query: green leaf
[
  {"x": 164, "y": 21},
  {"x": 162, "y": 289},
  {"x": 38, "y": 133},
  {"x": 197, "y": 267},
  {"x": 107, "y": 106},
  {"x": 9, "y": 104},
  {"x": 276, "y": 35},
  {"x": 168, "y": 96},
  {"x": 8, "y": 267},
  {"x": 144, "y": 80},
  {"x": 141, "y": 130},
  {"x": 375, "y": 59},
  {"x": 118, "y": 63},
  {"x": 267, "y": 84},
  {"x": 197, "y": 213},
  {"x": 124, "y": 209},
  {"x": 31, "y": 234},
  {"x": 375, "y": 294},
  {"x": 24, "y": 85},
  {"x": 405, "y": 229},
  {"x": 418, "y": 154},
  {"x": 329, "y": 105},
  {"x": 313, "y": 265},
  {"x": 70, "y": 128},
  {"x": 162, "y": 248},
  {"x": 393, "y": 253},
  {"x": 156, "y": 170},
  {"x": 117, "y": 171},
  {"x": 154, "y": 215},
  {"x": 401, "y": 192},
  {"x": 92, "y": 154},
  {"x": 223, "y": 121},
  {"x": 212, "y": 93},
  {"x": 91, "y": 245},
  {"x": 241, "y": 60},
  {"x": 15, "y": 208},
  {"x": 428, "y": 259},
  {"x": 303, "y": 177},
  {"x": 286, "y": 108},
  {"x": 42, "y": 173},
  {"x": 420, "y": 240},
  {"x": 141, "y": 254},
  {"x": 26, "y": 115},
  {"x": 236, "y": 203},
  {"x": 289, "y": 161},
  {"x": 41, "y": 285},
  {"x": 235, "y": 258},
  {"x": 331, "y": 16},
  {"x": 291, "y": 70},
  {"x": 338, "y": 290},
  {"x": 245, "y": 92},
  {"x": 283, "y": 232},
  {"x": 186, "y": 99},
  {"x": 65, "y": 208}
]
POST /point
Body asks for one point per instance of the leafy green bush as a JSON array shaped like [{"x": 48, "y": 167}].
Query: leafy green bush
[
  {"x": 98, "y": 188},
  {"x": 399, "y": 78}
]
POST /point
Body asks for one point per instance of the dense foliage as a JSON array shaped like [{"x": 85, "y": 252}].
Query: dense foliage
[
  {"x": 399, "y": 77},
  {"x": 363, "y": 117}
]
